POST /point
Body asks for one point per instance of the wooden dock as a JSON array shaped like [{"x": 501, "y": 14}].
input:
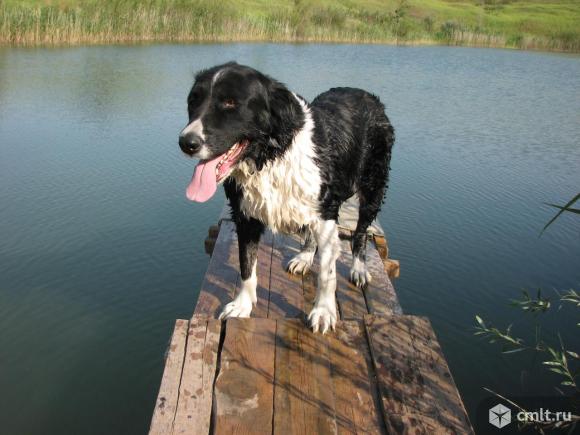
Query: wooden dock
[{"x": 379, "y": 372}]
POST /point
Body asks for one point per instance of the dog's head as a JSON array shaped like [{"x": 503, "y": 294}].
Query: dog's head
[{"x": 235, "y": 114}]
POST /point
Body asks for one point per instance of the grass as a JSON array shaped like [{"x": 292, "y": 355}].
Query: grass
[{"x": 525, "y": 24}]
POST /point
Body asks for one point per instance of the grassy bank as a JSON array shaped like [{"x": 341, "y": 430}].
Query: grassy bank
[{"x": 526, "y": 24}]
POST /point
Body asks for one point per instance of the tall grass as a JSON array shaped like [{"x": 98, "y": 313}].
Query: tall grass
[{"x": 125, "y": 21}]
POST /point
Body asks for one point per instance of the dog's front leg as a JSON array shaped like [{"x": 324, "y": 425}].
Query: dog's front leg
[
  {"x": 323, "y": 314},
  {"x": 249, "y": 232}
]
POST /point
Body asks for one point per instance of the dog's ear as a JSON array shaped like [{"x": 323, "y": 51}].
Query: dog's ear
[{"x": 285, "y": 115}]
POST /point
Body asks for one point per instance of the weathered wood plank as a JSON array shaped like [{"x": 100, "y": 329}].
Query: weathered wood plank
[
  {"x": 303, "y": 396},
  {"x": 357, "y": 402},
  {"x": 381, "y": 245},
  {"x": 348, "y": 217},
  {"x": 222, "y": 273},
  {"x": 264, "y": 270},
  {"x": 440, "y": 386},
  {"x": 286, "y": 293},
  {"x": 379, "y": 293},
  {"x": 350, "y": 298},
  {"x": 199, "y": 369},
  {"x": 225, "y": 214},
  {"x": 309, "y": 285},
  {"x": 166, "y": 405},
  {"x": 244, "y": 388},
  {"x": 417, "y": 392}
]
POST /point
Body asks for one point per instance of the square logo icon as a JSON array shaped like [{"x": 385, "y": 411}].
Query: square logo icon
[{"x": 500, "y": 416}]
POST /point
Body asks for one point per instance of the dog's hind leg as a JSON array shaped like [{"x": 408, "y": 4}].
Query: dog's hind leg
[
  {"x": 359, "y": 274},
  {"x": 302, "y": 262},
  {"x": 372, "y": 187}
]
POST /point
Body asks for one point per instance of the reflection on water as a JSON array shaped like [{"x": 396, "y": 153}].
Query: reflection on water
[{"x": 101, "y": 252}]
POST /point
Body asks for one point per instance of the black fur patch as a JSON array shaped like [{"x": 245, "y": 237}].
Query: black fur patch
[{"x": 352, "y": 138}]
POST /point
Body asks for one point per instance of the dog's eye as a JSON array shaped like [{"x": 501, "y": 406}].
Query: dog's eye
[{"x": 229, "y": 103}]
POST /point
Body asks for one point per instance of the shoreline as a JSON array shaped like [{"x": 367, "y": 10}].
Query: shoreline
[{"x": 185, "y": 41}]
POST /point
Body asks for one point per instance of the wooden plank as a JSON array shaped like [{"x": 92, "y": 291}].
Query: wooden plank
[
  {"x": 222, "y": 273},
  {"x": 379, "y": 293},
  {"x": 164, "y": 413},
  {"x": 348, "y": 217},
  {"x": 440, "y": 386},
  {"x": 417, "y": 392},
  {"x": 382, "y": 246},
  {"x": 350, "y": 298},
  {"x": 286, "y": 292},
  {"x": 244, "y": 388},
  {"x": 303, "y": 396},
  {"x": 357, "y": 401},
  {"x": 392, "y": 267},
  {"x": 264, "y": 268},
  {"x": 225, "y": 213},
  {"x": 199, "y": 369},
  {"x": 309, "y": 285}
]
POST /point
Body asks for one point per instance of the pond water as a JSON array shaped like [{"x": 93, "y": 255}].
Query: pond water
[{"x": 100, "y": 251}]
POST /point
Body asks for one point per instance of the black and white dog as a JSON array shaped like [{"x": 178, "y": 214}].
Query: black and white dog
[{"x": 288, "y": 165}]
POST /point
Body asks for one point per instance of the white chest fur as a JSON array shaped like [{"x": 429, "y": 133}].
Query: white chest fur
[{"x": 284, "y": 194}]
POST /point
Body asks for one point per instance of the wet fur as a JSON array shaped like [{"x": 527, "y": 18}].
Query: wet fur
[{"x": 302, "y": 162}]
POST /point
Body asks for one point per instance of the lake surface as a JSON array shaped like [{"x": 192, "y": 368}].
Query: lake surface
[{"x": 100, "y": 251}]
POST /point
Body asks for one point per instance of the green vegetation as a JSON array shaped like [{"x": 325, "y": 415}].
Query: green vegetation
[
  {"x": 526, "y": 24},
  {"x": 564, "y": 361}
]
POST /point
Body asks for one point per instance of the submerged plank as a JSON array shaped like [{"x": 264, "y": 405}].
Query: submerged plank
[
  {"x": 417, "y": 392},
  {"x": 303, "y": 396},
  {"x": 222, "y": 273},
  {"x": 244, "y": 388},
  {"x": 166, "y": 405},
  {"x": 355, "y": 389},
  {"x": 286, "y": 293},
  {"x": 199, "y": 368}
]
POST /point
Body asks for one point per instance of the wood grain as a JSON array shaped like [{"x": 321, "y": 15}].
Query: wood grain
[
  {"x": 244, "y": 388},
  {"x": 417, "y": 395},
  {"x": 357, "y": 401},
  {"x": 303, "y": 397},
  {"x": 166, "y": 405},
  {"x": 379, "y": 293},
  {"x": 286, "y": 292},
  {"x": 222, "y": 274},
  {"x": 350, "y": 298},
  {"x": 199, "y": 369}
]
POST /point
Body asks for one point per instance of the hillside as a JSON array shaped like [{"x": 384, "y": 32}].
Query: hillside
[{"x": 525, "y": 24}]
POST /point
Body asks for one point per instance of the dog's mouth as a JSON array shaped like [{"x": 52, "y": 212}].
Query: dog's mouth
[{"x": 208, "y": 173}]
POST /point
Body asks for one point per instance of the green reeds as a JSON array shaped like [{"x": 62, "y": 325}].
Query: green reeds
[{"x": 129, "y": 21}]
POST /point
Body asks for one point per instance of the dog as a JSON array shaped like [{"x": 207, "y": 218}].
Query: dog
[{"x": 288, "y": 165}]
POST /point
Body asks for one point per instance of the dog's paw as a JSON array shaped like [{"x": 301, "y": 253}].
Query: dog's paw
[
  {"x": 322, "y": 317},
  {"x": 240, "y": 307},
  {"x": 301, "y": 263},
  {"x": 359, "y": 274}
]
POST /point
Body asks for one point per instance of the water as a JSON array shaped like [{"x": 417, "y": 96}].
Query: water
[{"x": 100, "y": 251}]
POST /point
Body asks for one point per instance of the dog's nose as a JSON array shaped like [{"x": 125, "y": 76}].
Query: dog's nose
[{"x": 190, "y": 143}]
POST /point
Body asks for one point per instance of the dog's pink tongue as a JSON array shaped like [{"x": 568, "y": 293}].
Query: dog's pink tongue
[{"x": 203, "y": 183}]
